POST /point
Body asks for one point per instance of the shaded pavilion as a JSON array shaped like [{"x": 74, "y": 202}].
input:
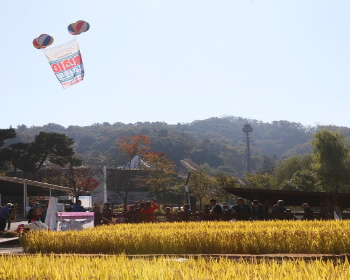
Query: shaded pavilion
[
  {"x": 331, "y": 204},
  {"x": 18, "y": 189}
]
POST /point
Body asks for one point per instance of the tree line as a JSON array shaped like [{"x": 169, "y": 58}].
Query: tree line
[
  {"x": 216, "y": 141},
  {"x": 325, "y": 168}
]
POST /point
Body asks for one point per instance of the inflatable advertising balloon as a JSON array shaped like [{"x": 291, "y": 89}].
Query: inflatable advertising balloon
[
  {"x": 42, "y": 41},
  {"x": 78, "y": 27},
  {"x": 65, "y": 60}
]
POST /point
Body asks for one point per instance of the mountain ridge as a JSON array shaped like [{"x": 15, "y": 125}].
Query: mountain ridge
[{"x": 219, "y": 142}]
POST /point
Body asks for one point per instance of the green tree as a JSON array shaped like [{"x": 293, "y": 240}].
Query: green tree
[
  {"x": 12, "y": 156},
  {"x": 201, "y": 184},
  {"x": 260, "y": 181},
  {"x": 161, "y": 174},
  {"x": 6, "y": 134},
  {"x": 303, "y": 180},
  {"x": 177, "y": 191},
  {"x": 265, "y": 164},
  {"x": 286, "y": 169},
  {"x": 51, "y": 147},
  {"x": 222, "y": 181},
  {"x": 4, "y": 154},
  {"x": 330, "y": 160}
]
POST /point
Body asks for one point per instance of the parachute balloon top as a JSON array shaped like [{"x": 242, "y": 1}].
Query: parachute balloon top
[
  {"x": 78, "y": 27},
  {"x": 42, "y": 41}
]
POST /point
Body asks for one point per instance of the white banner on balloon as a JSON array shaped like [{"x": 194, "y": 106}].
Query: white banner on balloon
[{"x": 66, "y": 63}]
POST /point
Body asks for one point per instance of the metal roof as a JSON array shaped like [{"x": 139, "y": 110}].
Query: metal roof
[{"x": 36, "y": 184}]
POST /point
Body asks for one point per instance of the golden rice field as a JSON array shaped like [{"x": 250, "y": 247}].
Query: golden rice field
[
  {"x": 119, "y": 267},
  {"x": 261, "y": 237}
]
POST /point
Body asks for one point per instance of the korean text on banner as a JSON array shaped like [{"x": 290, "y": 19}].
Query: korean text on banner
[{"x": 66, "y": 63}]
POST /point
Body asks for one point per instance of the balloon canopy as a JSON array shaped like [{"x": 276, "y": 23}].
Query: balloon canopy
[
  {"x": 42, "y": 41},
  {"x": 71, "y": 29},
  {"x": 78, "y": 27}
]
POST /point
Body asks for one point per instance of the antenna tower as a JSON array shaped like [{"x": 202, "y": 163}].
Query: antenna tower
[{"x": 246, "y": 129}]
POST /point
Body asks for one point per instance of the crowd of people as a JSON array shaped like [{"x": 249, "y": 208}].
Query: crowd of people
[
  {"x": 240, "y": 212},
  {"x": 143, "y": 211},
  {"x": 254, "y": 211}
]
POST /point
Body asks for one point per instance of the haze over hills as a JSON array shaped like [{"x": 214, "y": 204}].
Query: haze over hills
[{"x": 218, "y": 142}]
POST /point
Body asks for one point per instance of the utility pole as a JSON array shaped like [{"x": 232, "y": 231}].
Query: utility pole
[{"x": 246, "y": 129}]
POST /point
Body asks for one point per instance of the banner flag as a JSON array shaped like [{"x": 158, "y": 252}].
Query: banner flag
[{"x": 66, "y": 63}]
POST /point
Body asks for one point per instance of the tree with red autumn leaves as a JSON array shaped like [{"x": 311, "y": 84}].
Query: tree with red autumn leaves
[{"x": 134, "y": 145}]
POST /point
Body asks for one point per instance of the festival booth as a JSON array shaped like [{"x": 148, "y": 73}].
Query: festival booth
[
  {"x": 67, "y": 220},
  {"x": 74, "y": 220}
]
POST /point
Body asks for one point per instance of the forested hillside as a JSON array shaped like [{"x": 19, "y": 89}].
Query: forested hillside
[{"x": 218, "y": 142}]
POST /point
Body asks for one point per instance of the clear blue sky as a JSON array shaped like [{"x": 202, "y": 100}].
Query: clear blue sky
[{"x": 178, "y": 61}]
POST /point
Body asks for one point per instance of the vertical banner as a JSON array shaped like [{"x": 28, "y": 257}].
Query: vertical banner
[
  {"x": 50, "y": 219},
  {"x": 66, "y": 63}
]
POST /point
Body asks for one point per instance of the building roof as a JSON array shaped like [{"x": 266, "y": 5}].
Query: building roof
[
  {"x": 291, "y": 198},
  {"x": 41, "y": 185}
]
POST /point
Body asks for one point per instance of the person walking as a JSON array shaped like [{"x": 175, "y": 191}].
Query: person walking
[
  {"x": 12, "y": 216},
  {"x": 4, "y": 215}
]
